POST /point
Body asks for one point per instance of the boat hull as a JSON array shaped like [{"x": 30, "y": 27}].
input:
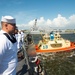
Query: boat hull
[{"x": 55, "y": 50}]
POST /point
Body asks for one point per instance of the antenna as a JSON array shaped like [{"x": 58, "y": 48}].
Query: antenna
[{"x": 35, "y": 21}]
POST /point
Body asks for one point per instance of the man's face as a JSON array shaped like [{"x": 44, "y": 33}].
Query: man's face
[
  {"x": 11, "y": 27},
  {"x": 16, "y": 31}
]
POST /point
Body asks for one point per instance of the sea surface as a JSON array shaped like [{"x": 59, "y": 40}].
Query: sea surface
[
  {"x": 37, "y": 37},
  {"x": 61, "y": 63}
]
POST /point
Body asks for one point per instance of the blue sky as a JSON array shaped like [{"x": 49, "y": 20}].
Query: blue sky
[{"x": 49, "y": 13}]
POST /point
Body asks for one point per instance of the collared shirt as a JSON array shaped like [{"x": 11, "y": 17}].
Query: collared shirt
[
  {"x": 22, "y": 35},
  {"x": 8, "y": 55},
  {"x": 19, "y": 41}
]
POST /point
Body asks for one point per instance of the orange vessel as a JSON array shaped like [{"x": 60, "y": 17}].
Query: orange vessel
[{"x": 58, "y": 44}]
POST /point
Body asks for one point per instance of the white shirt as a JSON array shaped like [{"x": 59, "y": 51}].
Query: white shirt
[
  {"x": 22, "y": 35},
  {"x": 8, "y": 55},
  {"x": 19, "y": 41}
]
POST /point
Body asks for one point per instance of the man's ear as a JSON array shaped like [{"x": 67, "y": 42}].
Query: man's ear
[{"x": 6, "y": 24}]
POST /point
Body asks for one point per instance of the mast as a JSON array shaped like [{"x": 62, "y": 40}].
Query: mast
[
  {"x": 35, "y": 27},
  {"x": 35, "y": 22}
]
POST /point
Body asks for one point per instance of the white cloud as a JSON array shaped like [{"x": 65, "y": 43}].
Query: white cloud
[
  {"x": 41, "y": 20},
  {"x": 59, "y": 22},
  {"x": 23, "y": 26},
  {"x": 72, "y": 19},
  {"x": 49, "y": 22},
  {"x": 31, "y": 23}
]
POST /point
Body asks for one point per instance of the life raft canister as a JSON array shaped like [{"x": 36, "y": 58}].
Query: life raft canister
[
  {"x": 72, "y": 44},
  {"x": 36, "y": 47}
]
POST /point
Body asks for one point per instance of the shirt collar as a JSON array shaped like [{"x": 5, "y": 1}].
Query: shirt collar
[{"x": 2, "y": 31}]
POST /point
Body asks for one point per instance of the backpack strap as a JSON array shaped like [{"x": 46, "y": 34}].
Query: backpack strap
[{"x": 13, "y": 40}]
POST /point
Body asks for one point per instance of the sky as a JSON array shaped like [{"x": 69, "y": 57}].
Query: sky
[{"x": 49, "y": 13}]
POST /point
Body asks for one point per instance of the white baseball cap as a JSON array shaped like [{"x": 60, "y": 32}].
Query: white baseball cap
[{"x": 8, "y": 19}]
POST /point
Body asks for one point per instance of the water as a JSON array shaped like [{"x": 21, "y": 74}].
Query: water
[
  {"x": 70, "y": 37},
  {"x": 61, "y": 63}
]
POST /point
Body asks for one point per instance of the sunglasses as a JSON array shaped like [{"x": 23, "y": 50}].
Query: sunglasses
[{"x": 13, "y": 24}]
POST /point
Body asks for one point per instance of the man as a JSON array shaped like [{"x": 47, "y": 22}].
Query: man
[
  {"x": 22, "y": 35},
  {"x": 29, "y": 38},
  {"x": 8, "y": 46}
]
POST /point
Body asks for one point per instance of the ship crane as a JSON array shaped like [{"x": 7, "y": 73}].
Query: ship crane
[
  {"x": 35, "y": 22},
  {"x": 35, "y": 27}
]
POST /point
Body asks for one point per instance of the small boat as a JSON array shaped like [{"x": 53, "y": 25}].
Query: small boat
[{"x": 54, "y": 43}]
